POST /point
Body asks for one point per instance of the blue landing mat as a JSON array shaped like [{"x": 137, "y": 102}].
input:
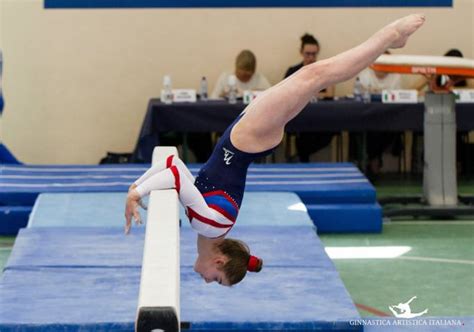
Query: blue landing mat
[
  {"x": 109, "y": 247},
  {"x": 279, "y": 299},
  {"x": 20, "y": 185},
  {"x": 101, "y": 299},
  {"x": 12, "y": 218},
  {"x": 51, "y": 299},
  {"x": 298, "y": 289},
  {"x": 106, "y": 210},
  {"x": 314, "y": 183},
  {"x": 346, "y": 218}
]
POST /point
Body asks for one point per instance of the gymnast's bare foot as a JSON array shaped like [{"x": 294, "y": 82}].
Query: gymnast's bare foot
[{"x": 404, "y": 27}]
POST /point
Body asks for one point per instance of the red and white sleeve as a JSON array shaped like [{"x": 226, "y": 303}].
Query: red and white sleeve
[{"x": 204, "y": 220}]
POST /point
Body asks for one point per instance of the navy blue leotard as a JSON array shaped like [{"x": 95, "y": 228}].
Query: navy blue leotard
[{"x": 226, "y": 170}]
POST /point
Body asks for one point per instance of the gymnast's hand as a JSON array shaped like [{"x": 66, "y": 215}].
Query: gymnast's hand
[
  {"x": 140, "y": 202},
  {"x": 131, "y": 209}
]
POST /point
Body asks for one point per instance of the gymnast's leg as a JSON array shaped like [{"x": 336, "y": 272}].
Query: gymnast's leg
[{"x": 262, "y": 126}]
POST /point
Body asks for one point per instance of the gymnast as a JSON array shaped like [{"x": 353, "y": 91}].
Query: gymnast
[{"x": 213, "y": 199}]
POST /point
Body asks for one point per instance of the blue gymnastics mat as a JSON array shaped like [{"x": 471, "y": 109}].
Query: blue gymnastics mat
[
  {"x": 107, "y": 210},
  {"x": 281, "y": 209},
  {"x": 12, "y": 218},
  {"x": 109, "y": 247},
  {"x": 101, "y": 299},
  {"x": 314, "y": 183},
  {"x": 319, "y": 183},
  {"x": 87, "y": 279},
  {"x": 343, "y": 218},
  {"x": 21, "y": 184}
]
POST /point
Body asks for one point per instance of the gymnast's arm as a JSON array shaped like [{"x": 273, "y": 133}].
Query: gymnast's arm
[
  {"x": 178, "y": 177},
  {"x": 161, "y": 165}
]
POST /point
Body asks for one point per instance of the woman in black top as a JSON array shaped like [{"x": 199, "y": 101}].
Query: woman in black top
[{"x": 308, "y": 143}]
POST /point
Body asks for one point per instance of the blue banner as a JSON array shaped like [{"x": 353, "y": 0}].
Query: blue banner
[{"x": 241, "y": 3}]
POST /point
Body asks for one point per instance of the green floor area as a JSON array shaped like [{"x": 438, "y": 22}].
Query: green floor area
[
  {"x": 438, "y": 268},
  {"x": 6, "y": 244},
  {"x": 394, "y": 184}
]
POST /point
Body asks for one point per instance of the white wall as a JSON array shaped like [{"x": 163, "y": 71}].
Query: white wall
[
  {"x": 1, "y": 43},
  {"x": 77, "y": 82}
]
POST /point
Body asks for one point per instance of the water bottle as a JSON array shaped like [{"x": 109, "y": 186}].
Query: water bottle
[
  {"x": 167, "y": 92},
  {"x": 247, "y": 97},
  {"x": 357, "y": 90},
  {"x": 203, "y": 89},
  {"x": 366, "y": 94},
  {"x": 232, "y": 84}
]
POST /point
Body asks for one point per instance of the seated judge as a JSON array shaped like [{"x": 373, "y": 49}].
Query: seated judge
[
  {"x": 379, "y": 142},
  {"x": 310, "y": 142},
  {"x": 247, "y": 77}
]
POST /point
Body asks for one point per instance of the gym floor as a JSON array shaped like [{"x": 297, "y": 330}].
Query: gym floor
[{"x": 438, "y": 269}]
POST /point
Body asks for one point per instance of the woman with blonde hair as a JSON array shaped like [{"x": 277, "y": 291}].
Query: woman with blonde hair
[{"x": 246, "y": 76}]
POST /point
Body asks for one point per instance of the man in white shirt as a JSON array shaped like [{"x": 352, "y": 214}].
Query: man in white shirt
[
  {"x": 376, "y": 81},
  {"x": 378, "y": 142},
  {"x": 247, "y": 77}
]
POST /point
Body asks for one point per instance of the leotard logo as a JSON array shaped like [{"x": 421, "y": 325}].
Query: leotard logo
[{"x": 227, "y": 156}]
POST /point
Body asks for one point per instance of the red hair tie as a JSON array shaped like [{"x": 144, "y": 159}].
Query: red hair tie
[{"x": 253, "y": 263}]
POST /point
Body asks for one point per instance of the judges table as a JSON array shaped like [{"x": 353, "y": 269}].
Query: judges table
[{"x": 323, "y": 116}]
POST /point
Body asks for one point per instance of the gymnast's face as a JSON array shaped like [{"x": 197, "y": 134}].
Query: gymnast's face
[{"x": 210, "y": 269}]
